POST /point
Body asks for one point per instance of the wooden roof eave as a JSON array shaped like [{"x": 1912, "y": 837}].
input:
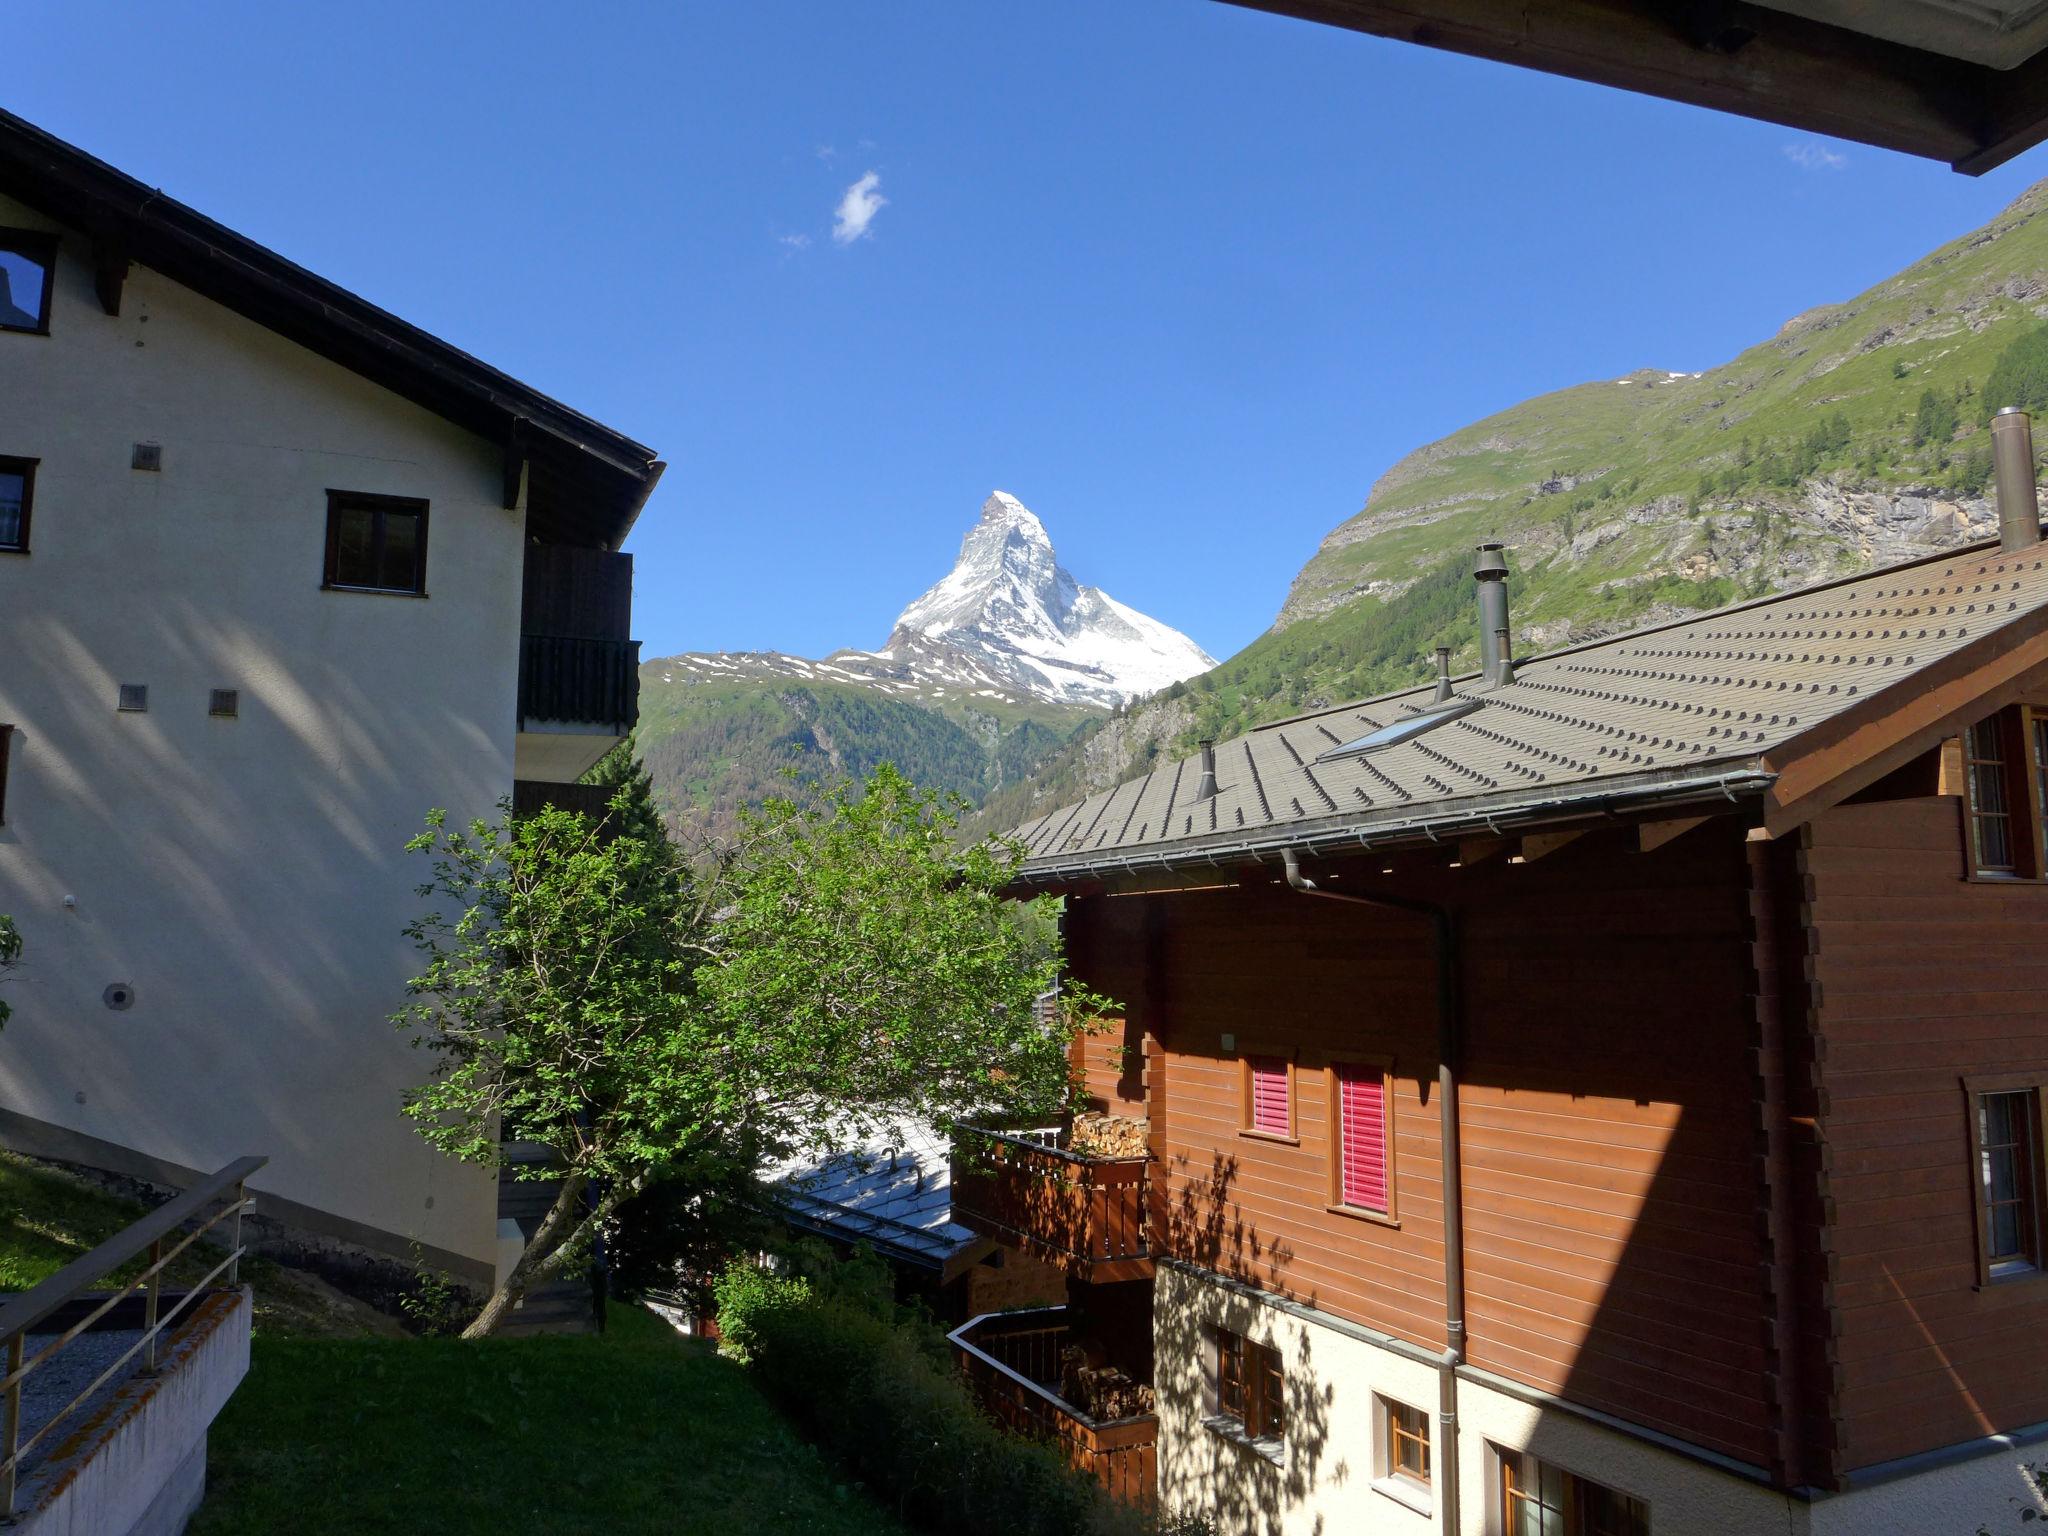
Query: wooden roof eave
[
  {"x": 1728, "y": 56},
  {"x": 598, "y": 478},
  {"x": 1855, "y": 748}
]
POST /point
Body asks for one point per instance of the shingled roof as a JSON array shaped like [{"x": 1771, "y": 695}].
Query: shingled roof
[{"x": 1704, "y": 711}]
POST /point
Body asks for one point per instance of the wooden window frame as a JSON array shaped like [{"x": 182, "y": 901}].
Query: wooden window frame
[
  {"x": 1509, "y": 1464},
  {"x": 26, "y": 468},
  {"x": 1333, "y": 1087},
  {"x": 2025, "y": 815},
  {"x": 6, "y": 747},
  {"x": 1390, "y": 1436},
  {"x": 341, "y": 501},
  {"x": 1974, "y": 1088},
  {"x": 1247, "y": 1124},
  {"x": 38, "y": 245},
  {"x": 1247, "y": 1386}
]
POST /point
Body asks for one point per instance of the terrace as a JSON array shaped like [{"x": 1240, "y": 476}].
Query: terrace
[
  {"x": 1025, "y": 1367},
  {"x": 1050, "y": 1191}
]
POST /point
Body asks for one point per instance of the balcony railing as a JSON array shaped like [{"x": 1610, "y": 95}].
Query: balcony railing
[
  {"x": 1013, "y": 1362},
  {"x": 1084, "y": 1214},
  {"x": 61, "y": 1306},
  {"x": 564, "y": 679}
]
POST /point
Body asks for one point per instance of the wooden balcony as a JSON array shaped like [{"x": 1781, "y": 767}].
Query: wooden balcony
[
  {"x": 567, "y": 680},
  {"x": 1084, "y": 1214},
  {"x": 1013, "y": 1362}
]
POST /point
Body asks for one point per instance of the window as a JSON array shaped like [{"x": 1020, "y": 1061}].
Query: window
[
  {"x": 1269, "y": 1096},
  {"x": 224, "y": 702},
  {"x": 132, "y": 698},
  {"x": 376, "y": 543},
  {"x": 1537, "y": 1499},
  {"x": 17, "y": 492},
  {"x": 1249, "y": 1387},
  {"x": 1362, "y": 1141},
  {"x": 2005, "y": 1136},
  {"x": 27, "y": 258},
  {"x": 1989, "y": 778},
  {"x": 1405, "y": 1447},
  {"x": 2005, "y": 788},
  {"x": 1404, "y": 730},
  {"x": 6, "y": 742}
]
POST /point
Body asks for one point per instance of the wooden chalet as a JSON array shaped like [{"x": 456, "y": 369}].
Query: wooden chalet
[{"x": 1599, "y": 1094}]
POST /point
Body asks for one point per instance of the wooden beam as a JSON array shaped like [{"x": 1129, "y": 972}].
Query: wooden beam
[
  {"x": 515, "y": 462},
  {"x": 1652, "y": 835},
  {"x": 1477, "y": 850},
  {"x": 109, "y": 274},
  {"x": 1733, "y": 57},
  {"x": 1539, "y": 845}
]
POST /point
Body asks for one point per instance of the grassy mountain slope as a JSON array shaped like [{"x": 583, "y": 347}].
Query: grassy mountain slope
[
  {"x": 713, "y": 745},
  {"x": 1853, "y": 437}
]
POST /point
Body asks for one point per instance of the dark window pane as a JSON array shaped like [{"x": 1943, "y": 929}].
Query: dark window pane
[
  {"x": 12, "y": 489},
  {"x": 355, "y": 546},
  {"x": 23, "y": 283},
  {"x": 401, "y": 551}
]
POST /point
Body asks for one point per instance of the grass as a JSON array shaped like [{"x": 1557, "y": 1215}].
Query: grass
[{"x": 634, "y": 1431}]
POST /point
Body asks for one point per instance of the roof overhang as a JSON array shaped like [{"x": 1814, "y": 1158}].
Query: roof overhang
[
  {"x": 1961, "y": 81},
  {"x": 1725, "y": 786},
  {"x": 585, "y": 483}
]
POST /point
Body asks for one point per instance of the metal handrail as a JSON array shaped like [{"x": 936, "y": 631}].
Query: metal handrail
[
  {"x": 961, "y": 1339},
  {"x": 20, "y": 1315}
]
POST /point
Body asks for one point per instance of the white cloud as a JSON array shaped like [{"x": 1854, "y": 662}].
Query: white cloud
[
  {"x": 1809, "y": 156},
  {"x": 855, "y": 215},
  {"x": 827, "y": 152},
  {"x": 794, "y": 242}
]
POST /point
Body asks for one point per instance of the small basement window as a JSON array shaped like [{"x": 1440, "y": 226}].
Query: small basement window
[
  {"x": 376, "y": 543},
  {"x": 1538, "y": 1499},
  {"x": 28, "y": 257},
  {"x": 1405, "y": 730},
  {"x": 17, "y": 494}
]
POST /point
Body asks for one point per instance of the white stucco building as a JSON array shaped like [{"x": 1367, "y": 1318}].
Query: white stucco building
[{"x": 278, "y": 573}]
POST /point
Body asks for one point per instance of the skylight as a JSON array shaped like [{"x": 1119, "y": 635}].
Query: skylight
[{"x": 1404, "y": 730}]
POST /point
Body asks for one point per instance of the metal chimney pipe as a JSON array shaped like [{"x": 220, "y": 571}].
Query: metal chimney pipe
[
  {"x": 1206, "y": 789},
  {"x": 1443, "y": 673},
  {"x": 1504, "y": 668},
  {"x": 2012, "y": 457},
  {"x": 1491, "y": 572}
]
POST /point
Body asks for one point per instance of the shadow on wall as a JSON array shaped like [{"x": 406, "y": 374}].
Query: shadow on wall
[
  {"x": 246, "y": 876},
  {"x": 1243, "y": 1491}
]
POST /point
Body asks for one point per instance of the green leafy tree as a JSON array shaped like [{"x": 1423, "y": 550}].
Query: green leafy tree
[
  {"x": 2019, "y": 377},
  {"x": 1935, "y": 420},
  {"x": 10, "y": 956},
  {"x": 837, "y": 964}
]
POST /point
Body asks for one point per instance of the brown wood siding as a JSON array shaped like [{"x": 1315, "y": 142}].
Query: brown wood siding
[
  {"x": 1614, "y": 1243},
  {"x": 1921, "y": 977}
]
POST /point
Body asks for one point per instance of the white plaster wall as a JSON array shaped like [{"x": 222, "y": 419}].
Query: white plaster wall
[
  {"x": 1988, "y": 1492},
  {"x": 246, "y": 876},
  {"x": 1326, "y": 1483}
]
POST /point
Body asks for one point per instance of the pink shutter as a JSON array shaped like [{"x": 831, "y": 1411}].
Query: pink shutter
[
  {"x": 1363, "y": 1107},
  {"x": 1269, "y": 1096}
]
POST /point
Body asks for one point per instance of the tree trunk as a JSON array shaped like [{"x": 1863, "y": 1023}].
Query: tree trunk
[{"x": 540, "y": 1258}]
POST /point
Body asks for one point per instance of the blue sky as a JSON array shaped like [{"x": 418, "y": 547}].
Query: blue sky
[{"x": 1185, "y": 278}]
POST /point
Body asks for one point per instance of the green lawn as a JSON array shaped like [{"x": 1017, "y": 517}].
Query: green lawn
[{"x": 636, "y": 1431}]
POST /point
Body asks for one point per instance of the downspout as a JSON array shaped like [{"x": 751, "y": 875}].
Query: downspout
[{"x": 1449, "y": 1056}]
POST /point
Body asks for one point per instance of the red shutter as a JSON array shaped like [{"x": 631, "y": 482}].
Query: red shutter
[
  {"x": 1363, "y": 1109},
  {"x": 1269, "y": 1096}
]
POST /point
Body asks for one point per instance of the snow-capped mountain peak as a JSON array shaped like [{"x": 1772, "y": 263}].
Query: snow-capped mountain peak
[{"x": 1009, "y": 612}]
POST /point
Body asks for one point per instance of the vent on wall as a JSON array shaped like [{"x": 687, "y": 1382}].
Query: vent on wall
[
  {"x": 134, "y": 697},
  {"x": 148, "y": 456},
  {"x": 225, "y": 702}
]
